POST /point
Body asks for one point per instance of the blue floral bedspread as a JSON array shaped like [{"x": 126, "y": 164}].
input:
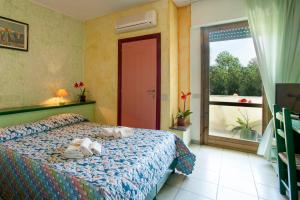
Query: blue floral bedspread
[{"x": 128, "y": 168}]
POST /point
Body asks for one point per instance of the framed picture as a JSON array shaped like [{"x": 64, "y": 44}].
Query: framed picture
[{"x": 13, "y": 34}]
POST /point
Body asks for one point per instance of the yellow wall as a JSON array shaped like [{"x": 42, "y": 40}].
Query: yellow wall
[
  {"x": 184, "y": 25},
  {"x": 58, "y": 55},
  {"x": 101, "y": 60},
  {"x": 54, "y": 59},
  {"x": 173, "y": 17}
]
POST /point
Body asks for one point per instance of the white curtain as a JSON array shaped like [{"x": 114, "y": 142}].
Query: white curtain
[{"x": 275, "y": 27}]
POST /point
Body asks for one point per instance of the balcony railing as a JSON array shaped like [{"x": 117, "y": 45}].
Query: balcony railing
[{"x": 225, "y": 111}]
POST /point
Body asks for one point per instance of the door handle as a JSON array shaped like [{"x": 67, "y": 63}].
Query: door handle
[{"x": 151, "y": 91}]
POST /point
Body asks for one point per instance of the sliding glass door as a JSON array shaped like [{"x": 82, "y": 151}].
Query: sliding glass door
[{"x": 232, "y": 102}]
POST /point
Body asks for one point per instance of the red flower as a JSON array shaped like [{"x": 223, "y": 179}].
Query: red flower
[
  {"x": 243, "y": 100},
  {"x": 81, "y": 84},
  {"x": 76, "y": 85},
  {"x": 184, "y": 96}
]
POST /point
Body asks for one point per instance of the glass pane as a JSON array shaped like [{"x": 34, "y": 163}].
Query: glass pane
[
  {"x": 234, "y": 77},
  {"x": 223, "y": 122}
]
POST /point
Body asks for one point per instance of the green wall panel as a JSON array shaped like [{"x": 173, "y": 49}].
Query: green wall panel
[{"x": 86, "y": 110}]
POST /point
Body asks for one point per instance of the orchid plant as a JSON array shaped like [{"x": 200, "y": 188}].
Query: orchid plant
[
  {"x": 184, "y": 113},
  {"x": 80, "y": 85}
]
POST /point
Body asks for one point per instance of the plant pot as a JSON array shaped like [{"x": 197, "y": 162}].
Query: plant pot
[
  {"x": 248, "y": 135},
  {"x": 82, "y": 98},
  {"x": 181, "y": 121}
]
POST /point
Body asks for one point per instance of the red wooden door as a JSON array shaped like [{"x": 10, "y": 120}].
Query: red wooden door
[{"x": 139, "y": 82}]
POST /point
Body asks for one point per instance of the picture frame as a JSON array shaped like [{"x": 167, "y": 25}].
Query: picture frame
[{"x": 13, "y": 34}]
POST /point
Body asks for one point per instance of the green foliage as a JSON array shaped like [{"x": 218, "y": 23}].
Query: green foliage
[
  {"x": 244, "y": 126},
  {"x": 183, "y": 114},
  {"x": 228, "y": 77}
]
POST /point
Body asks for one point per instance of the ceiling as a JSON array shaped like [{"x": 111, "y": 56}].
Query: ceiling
[{"x": 88, "y": 9}]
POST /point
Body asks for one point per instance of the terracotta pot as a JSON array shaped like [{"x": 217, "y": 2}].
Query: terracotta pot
[
  {"x": 181, "y": 121},
  {"x": 82, "y": 98}
]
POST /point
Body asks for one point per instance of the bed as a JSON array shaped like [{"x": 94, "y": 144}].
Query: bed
[{"x": 32, "y": 165}]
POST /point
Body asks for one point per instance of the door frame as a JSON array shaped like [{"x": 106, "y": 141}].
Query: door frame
[
  {"x": 205, "y": 138},
  {"x": 156, "y": 36}
]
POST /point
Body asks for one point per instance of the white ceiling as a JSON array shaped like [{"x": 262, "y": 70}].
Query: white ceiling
[{"x": 88, "y": 9}]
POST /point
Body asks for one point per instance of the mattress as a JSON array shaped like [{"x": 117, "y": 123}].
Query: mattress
[{"x": 127, "y": 168}]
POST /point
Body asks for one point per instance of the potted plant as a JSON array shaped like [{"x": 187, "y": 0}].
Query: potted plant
[
  {"x": 183, "y": 114},
  {"x": 245, "y": 128},
  {"x": 80, "y": 86}
]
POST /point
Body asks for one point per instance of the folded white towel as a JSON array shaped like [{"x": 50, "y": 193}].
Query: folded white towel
[
  {"x": 96, "y": 148},
  {"x": 73, "y": 152},
  {"x": 77, "y": 141},
  {"x": 118, "y": 132},
  {"x": 80, "y": 148},
  {"x": 85, "y": 147}
]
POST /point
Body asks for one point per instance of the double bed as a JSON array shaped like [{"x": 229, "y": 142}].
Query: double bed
[{"x": 33, "y": 167}]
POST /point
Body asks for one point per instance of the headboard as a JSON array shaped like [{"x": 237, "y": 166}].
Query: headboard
[{"x": 20, "y": 115}]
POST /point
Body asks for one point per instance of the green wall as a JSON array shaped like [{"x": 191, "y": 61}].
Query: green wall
[{"x": 54, "y": 59}]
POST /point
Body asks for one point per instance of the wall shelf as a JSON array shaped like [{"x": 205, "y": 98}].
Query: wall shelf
[{"x": 7, "y": 111}]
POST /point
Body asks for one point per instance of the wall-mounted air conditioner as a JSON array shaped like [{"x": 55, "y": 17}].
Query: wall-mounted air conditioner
[{"x": 135, "y": 22}]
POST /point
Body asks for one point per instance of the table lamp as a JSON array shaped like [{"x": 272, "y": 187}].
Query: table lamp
[{"x": 61, "y": 93}]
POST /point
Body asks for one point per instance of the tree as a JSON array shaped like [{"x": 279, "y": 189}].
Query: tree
[
  {"x": 251, "y": 84},
  {"x": 218, "y": 80},
  {"x": 228, "y": 76},
  {"x": 225, "y": 74}
]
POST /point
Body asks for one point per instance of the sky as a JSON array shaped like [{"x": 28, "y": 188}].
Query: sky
[{"x": 241, "y": 48}]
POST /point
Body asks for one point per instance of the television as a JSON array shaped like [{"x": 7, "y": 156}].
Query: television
[{"x": 288, "y": 95}]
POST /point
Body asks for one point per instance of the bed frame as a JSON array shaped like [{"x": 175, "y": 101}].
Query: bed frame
[
  {"x": 15, "y": 116},
  {"x": 153, "y": 193}
]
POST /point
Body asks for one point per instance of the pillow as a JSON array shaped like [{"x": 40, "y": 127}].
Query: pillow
[
  {"x": 56, "y": 121},
  {"x": 64, "y": 119},
  {"x": 22, "y": 130}
]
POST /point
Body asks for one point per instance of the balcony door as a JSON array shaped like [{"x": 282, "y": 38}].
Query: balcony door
[{"x": 231, "y": 107}]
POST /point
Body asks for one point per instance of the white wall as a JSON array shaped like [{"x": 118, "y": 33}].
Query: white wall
[{"x": 205, "y": 13}]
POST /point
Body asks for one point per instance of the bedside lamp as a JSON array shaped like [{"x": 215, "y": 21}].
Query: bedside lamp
[{"x": 61, "y": 93}]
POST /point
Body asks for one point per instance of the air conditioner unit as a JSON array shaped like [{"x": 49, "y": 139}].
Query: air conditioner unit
[{"x": 135, "y": 22}]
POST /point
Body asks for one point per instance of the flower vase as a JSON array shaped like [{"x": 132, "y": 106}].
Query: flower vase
[
  {"x": 82, "y": 98},
  {"x": 181, "y": 121}
]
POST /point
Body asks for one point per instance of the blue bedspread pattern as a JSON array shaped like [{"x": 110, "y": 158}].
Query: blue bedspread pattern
[
  {"x": 128, "y": 168},
  {"x": 52, "y": 122},
  {"x": 185, "y": 158}
]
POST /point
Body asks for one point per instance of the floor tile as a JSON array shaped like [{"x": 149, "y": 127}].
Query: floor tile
[
  {"x": 235, "y": 172},
  {"x": 167, "y": 193},
  {"x": 239, "y": 184},
  {"x": 269, "y": 193},
  {"x": 263, "y": 169},
  {"x": 175, "y": 180},
  {"x": 199, "y": 187},
  {"x": 224, "y": 175},
  {"x": 185, "y": 195},
  {"x": 211, "y": 164},
  {"x": 205, "y": 175},
  {"x": 228, "y": 194},
  {"x": 236, "y": 163},
  {"x": 267, "y": 179}
]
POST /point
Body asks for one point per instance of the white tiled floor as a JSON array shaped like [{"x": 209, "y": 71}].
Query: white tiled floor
[{"x": 222, "y": 174}]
